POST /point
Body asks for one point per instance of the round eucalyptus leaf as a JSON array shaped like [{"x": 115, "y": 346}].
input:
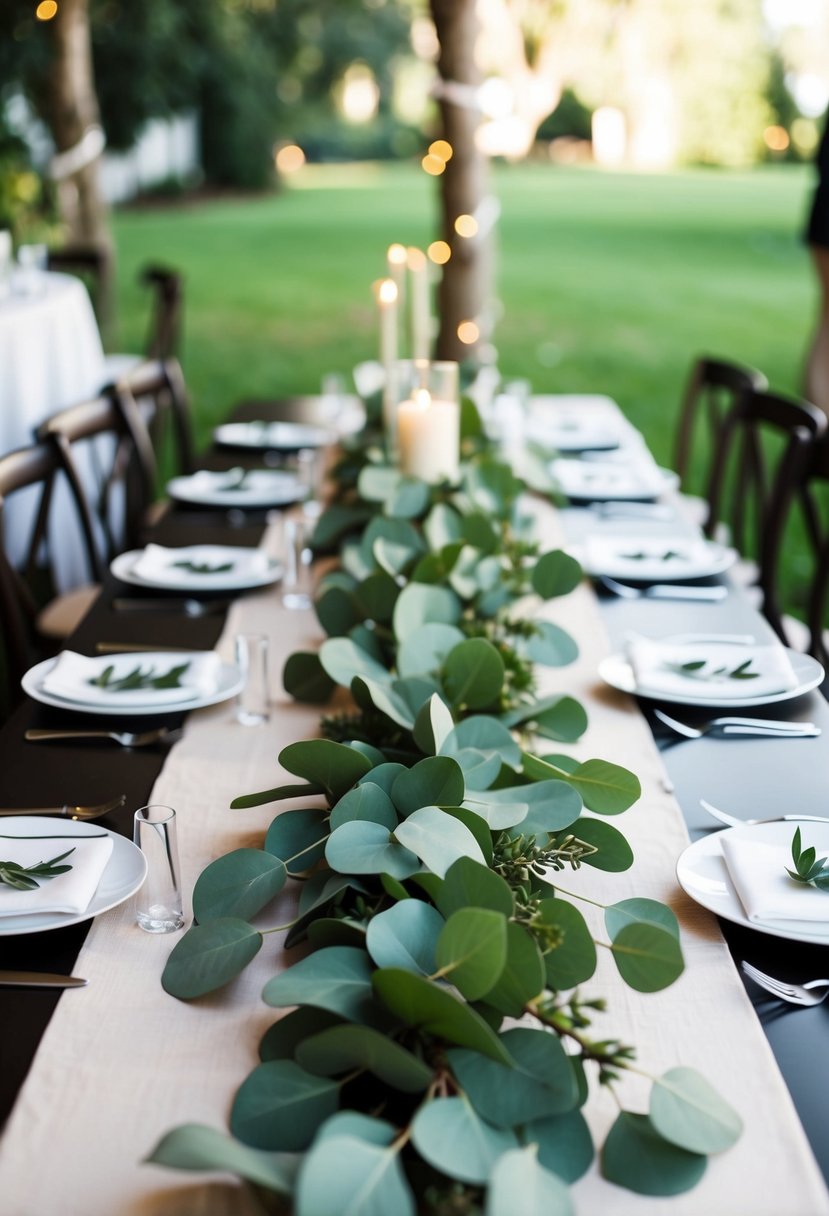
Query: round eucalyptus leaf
[
  {"x": 565, "y": 720},
  {"x": 473, "y": 674},
  {"x": 477, "y": 826},
  {"x": 472, "y": 950},
  {"x": 337, "y": 612},
  {"x": 394, "y": 887},
  {"x": 405, "y": 936},
  {"x": 635, "y": 1156},
  {"x": 335, "y": 931},
  {"x": 385, "y": 697},
  {"x": 421, "y": 1003},
  {"x": 394, "y": 536},
  {"x": 437, "y": 839},
  {"x": 486, "y": 735},
  {"x": 607, "y": 789},
  {"x": 555, "y": 573},
  {"x": 280, "y": 1105},
  {"x": 523, "y": 976},
  {"x": 551, "y": 806},
  {"x": 433, "y": 724},
  {"x": 478, "y": 531},
  {"x": 364, "y": 847},
  {"x": 468, "y": 884},
  {"x": 648, "y": 957},
  {"x": 424, "y": 650},
  {"x": 193, "y": 1146},
  {"x": 463, "y": 577},
  {"x": 343, "y": 659},
  {"x": 420, "y": 604},
  {"x": 497, "y": 814},
  {"x": 435, "y": 781},
  {"x": 298, "y": 837},
  {"x": 376, "y": 483},
  {"x": 567, "y": 944},
  {"x": 687, "y": 1110},
  {"x": 367, "y": 801},
  {"x": 347, "y": 1176},
  {"x": 238, "y": 884},
  {"x": 341, "y": 1049},
  {"x": 455, "y": 1140},
  {"x": 442, "y": 526},
  {"x": 337, "y": 521},
  {"x": 383, "y": 775},
  {"x": 376, "y": 596},
  {"x": 409, "y": 499},
  {"x": 479, "y": 769},
  {"x": 280, "y": 1041},
  {"x": 520, "y": 1173},
  {"x": 633, "y": 911},
  {"x": 391, "y": 557},
  {"x": 536, "y": 1080},
  {"x": 436, "y": 567},
  {"x": 551, "y": 645},
  {"x": 353, "y": 1123},
  {"x": 368, "y": 750},
  {"x": 337, "y": 978},
  {"x": 209, "y": 956},
  {"x": 304, "y": 678},
  {"x": 355, "y": 563},
  {"x": 614, "y": 854},
  {"x": 333, "y": 766}
]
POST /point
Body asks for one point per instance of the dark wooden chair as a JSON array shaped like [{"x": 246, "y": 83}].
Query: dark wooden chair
[
  {"x": 713, "y": 389},
  {"x": 763, "y": 452},
  {"x": 167, "y": 309},
  {"x": 92, "y": 264},
  {"x": 813, "y": 500},
  {"x": 157, "y": 390}
]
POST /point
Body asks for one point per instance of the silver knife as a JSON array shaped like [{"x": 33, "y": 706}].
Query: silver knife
[
  {"x": 671, "y": 591},
  {"x": 39, "y": 979}
]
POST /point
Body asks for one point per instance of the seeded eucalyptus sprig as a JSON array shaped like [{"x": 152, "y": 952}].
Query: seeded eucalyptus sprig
[
  {"x": 808, "y": 868},
  {"x": 29, "y": 878}
]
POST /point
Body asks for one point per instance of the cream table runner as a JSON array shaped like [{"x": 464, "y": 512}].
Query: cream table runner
[{"x": 121, "y": 1062}]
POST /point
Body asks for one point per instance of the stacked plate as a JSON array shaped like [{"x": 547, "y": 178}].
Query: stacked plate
[
  {"x": 195, "y": 568},
  {"x": 648, "y": 558},
  {"x": 248, "y": 489}
]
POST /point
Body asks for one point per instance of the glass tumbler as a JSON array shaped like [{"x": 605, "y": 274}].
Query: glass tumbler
[
  {"x": 252, "y": 658},
  {"x": 296, "y": 583},
  {"x": 158, "y": 903}
]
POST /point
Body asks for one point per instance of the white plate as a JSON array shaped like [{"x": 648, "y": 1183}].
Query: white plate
[
  {"x": 124, "y": 873},
  {"x": 263, "y": 488},
  {"x": 616, "y": 671},
  {"x": 122, "y": 568},
  {"x": 700, "y": 562},
  {"x": 231, "y": 682},
  {"x": 273, "y": 436},
  {"x": 703, "y": 874},
  {"x": 607, "y": 481}
]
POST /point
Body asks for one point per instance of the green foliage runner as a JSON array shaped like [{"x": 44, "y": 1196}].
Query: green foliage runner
[{"x": 428, "y": 860}]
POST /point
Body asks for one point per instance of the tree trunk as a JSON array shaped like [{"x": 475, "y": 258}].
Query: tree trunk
[
  {"x": 73, "y": 106},
  {"x": 465, "y": 285}
]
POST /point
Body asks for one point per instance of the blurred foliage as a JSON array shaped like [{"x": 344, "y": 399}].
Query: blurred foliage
[
  {"x": 571, "y": 117},
  {"x": 27, "y": 207}
]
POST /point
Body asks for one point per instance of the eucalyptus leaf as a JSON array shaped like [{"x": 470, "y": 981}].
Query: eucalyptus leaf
[
  {"x": 367, "y": 801},
  {"x": 343, "y": 659},
  {"x": 537, "y": 1080},
  {"x": 383, "y": 775},
  {"x": 435, "y": 781},
  {"x": 425, "y": 649},
  {"x": 347, "y": 1176},
  {"x": 473, "y": 674},
  {"x": 472, "y": 950},
  {"x": 280, "y": 1041},
  {"x": 453, "y": 1138},
  {"x": 551, "y": 645},
  {"x": 442, "y": 526},
  {"x": 337, "y": 611},
  {"x": 194, "y": 1146},
  {"x": 485, "y": 735},
  {"x": 567, "y": 944},
  {"x": 334, "y": 766},
  {"x": 437, "y": 839},
  {"x": 380, "y": 694},
  {"x": 337, "y": 521},
  {"x": 555, "y": 573},
  {"x": 365, "y": 847},
  {"x": 468, "y": 884},
  {"x": 633, "y": 911},
  {"x": 209, "y": 956},
  {"x": 648, "y": 957},
  {"x": 477, "y": 826},
  {"x": 280, "y": 1105},
  {"x": 434, "y": 722},
  {"x": 239, "y": 884},
  {"x": 326, "y": 931},
  {"x": 353, "y": 1123},
  {"x": 427, "y": 1006},
  {"x": 520, "y": 1173},
  {"x": 436, "y": 567},
  {"x": 637, "y": 1157},
  {"x": 523, "y": 976},
  {"x": 376, "y": 483},
  {"x": 405, "y": 936},
  {"x": 605, "y": 788},
  {"x": 551, "y": 806},
  {"x": 304, "y": 678},
  {"x": 614, "y": 853},
  {"x": 376, "y": 597},
  {"x": 687, "y": 1110},
  {"x": 479, "y": 531},
  {"x": 276, "y": 795},
  {"x": 420, "y": 604},
  {"x": 341, "y": 1049},
  {"x": 298, "y": 838},
  {"x": 409, "y": 499},
  {"x": 337, "y": 979}
]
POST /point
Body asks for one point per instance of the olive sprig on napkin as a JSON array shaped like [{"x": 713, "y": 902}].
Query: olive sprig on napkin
[
  {"x": 139, "y": 678},
  {"x": 695, "y": 670},
  {"x": 808, "y": 868},
  {"x": 29, "y": 878}
]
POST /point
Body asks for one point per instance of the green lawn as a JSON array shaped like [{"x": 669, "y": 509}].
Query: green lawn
[{"x": 608, "y": 282}]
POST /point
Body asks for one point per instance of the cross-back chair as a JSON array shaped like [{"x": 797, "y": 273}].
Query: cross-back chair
[
  {"x": 713, "y": 389},
  {"x": 157, "y": 390},
  {"x": 813, "y": 496}
]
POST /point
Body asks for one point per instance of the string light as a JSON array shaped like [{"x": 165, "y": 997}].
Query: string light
[
  {"x": 46, "y": 10},
  {"x": 433, "y": 165},
  {"x": 468, "y": 333},
  {"x": 442, "y": 149},
  {"x": 439, "y": 252},
  {"x": 466, "y": 225}
]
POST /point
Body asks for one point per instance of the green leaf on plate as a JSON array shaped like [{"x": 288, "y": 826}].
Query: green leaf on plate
[
  {"x": 209, "y": 956},
  {"x": 427, "y": 1006},
  {"x": 452, "y": 1137},
  {"x": 239, "y": 884},
  {"x": 194, "y": 1146},
  {"x": 405, "y": 936},
  {"x": 280, "y": 1105},
  {"x": 637, "y": 1157},
  {"x": 687, "y": 1110}
]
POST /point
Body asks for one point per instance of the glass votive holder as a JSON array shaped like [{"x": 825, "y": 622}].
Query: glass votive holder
[
  {"x": 310, "y": 469},
  {"x": 158, "y": 906},
  {"x": 252, "y": 706},
  {"x": 296, "y": 582},
  {"x": 32, "y": 262}
]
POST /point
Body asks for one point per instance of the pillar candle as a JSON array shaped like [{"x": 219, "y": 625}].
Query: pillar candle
[
  {"x": 419, "y": 272},
  {"x": 428, "y": 438}
]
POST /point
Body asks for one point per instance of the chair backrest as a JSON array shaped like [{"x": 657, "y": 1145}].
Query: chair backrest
[
  {"x": 764, "y": 448},
  {"x": 92, "y": 264},
  {"x": 813, "y": 496},
  {"x": 164, "y": 332},
  {"x": 713, "y": 389},
  {"x": 40, "y": 466},
  {"x": 106, "y": 452},
  {"x": 156, "y": 389}
]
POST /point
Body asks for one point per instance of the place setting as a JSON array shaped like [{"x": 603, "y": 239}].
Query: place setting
[
  {"x": 245, "y": 489},
  {"x": 637, "y": 479},
  {"x": 196, "y": 568},
  {"x": 261, "y": 436}
]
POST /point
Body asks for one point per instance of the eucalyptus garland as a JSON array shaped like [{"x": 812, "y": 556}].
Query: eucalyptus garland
[{"x": 439, "y": 1048}]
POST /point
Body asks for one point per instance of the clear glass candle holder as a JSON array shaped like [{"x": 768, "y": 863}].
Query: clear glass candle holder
[
  {"x": 158, "y": 906},
  {"x": 297, "y": 581},
  {"x": 253, "y": 705}
]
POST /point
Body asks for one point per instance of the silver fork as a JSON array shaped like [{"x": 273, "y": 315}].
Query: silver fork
[
  {"x": 810, "y": 993},
  {"x": 68, "y": 812},
  {"x": 733, "y": 822},
  {"x": 662, "y": 591},
  {"x": 126, "y": 738},
  {"x": 765, "y": 727}
]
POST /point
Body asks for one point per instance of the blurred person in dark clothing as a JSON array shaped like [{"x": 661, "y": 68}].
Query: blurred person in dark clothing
[{"x": 816, "y": 387}]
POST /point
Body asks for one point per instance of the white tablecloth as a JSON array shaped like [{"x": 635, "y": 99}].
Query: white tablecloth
[
  {"x": 121, "y": 1062},
  {"x": 50, "y": 357}
]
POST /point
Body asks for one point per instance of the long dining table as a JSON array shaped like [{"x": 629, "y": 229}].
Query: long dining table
[{"x": 92, "y": 1079}]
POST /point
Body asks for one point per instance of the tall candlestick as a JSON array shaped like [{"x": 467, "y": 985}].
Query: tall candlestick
[
  {"x": 387, "y": 304},
  {"x": 428, "y": 438},
  {"x": 396, "y": 261},
  {"x": 419, "y": 271}
]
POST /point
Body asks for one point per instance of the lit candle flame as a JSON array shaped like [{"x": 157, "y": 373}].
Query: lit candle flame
[
  {"x": 416, "y": 258},
  {"x": 397, "y": 255},
  {"x": 423, "y": 398},
  {"x": 387, "y": 292}
]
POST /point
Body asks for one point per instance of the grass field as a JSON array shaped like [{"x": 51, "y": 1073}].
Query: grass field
[{"x": 607, "y": 282}]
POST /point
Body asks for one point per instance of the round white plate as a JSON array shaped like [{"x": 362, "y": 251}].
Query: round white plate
[
  {"x": 605, "y": 486},
  {"x": 272, "y": 436},
  {"x": 713, "y": 560},
  {"x": 122, "y": 568},
  {"x": 702, "y": 873},
  {"x": 231, "y": 682},
  {"x": 616, "y": 671},
  {"x": 124, "y": 873},
  {"x": 262, "y": 488}
]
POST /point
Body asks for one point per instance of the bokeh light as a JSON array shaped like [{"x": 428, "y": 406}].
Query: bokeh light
[
  {"x": 439, "y": 252},
  {"x": 442, "y": 149},
  {"x": 289, "y": 158},
  {"x": 387, "y": 291},
  {"x": 46, "y": 10},
  {"x": 433, "y": 164},
  {"x": 776, "y": 139},
  {"x": 466, "y": 225},
  {"x": 468, "y": 333}
]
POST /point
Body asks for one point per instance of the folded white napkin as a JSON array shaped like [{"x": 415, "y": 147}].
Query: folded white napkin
[
  {"x": 572, "y": 433},
  {"x": 73, "y": 675},
  {"x": 657, "y": 668},
  {"x": 758, "y": 871},
  {"x": 607, "y": 479},
  {"x": 70, "y": 892},
  {"x": 158, "y": 564},
  {"x": 649, "y": 557}
]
